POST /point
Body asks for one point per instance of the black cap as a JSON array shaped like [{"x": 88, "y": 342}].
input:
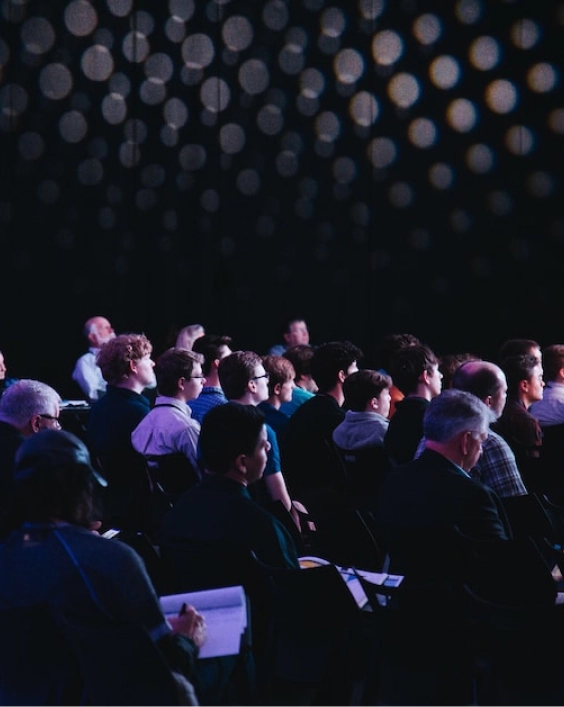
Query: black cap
[{"x": 49, "y": 449}]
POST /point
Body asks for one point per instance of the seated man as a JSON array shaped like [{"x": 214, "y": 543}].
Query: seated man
[
  {"x": 168, "y": 429},
  {"x": 233, "y": 447},
  {"x": 127, "y": 367},
  {"x": 213, "y": 348},
  {"x": 280, "y": 386},
  {"x": 52, "y": 558},
  {"x": 300, "y": 357},
  {"x": 26, "y": 407},
  {"x": 315, "y": 472},
  {"x": 294, "y": 332},
  {"x": 87, "y": 373}
]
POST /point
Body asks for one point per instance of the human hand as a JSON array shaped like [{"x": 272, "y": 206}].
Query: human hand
[{"x": 190, "y": 623}]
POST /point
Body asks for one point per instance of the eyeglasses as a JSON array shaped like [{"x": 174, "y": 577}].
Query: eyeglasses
[
  {"x": 264, "y": 375},
  {"x": 52, "y": 418},
  {"x": 194, "y": 377}
]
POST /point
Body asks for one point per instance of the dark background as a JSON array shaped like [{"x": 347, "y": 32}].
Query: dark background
[{"x": 165, "y": 163}]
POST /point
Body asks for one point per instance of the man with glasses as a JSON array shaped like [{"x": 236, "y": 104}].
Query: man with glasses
[{"x": 26, "y": 407}]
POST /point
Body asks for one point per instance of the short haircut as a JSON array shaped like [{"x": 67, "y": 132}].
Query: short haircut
[
  {"x": 360, "y": 387},
  {"x": 235, "y": 371},
  {"x": 517, "y": 369},
  {"x": 210, "y": 345},
  {"x": 449, "y": 363},
  {"x": 330, "y": 358},
  {"x": 26, "y": 398},
  {"x": 481, "y": 378},
  {"x": 552, "y": 361},
  {"x": 172, "y": 364},
  {"x": 454, "y": 411},
  {"x": 279, "y": 370},
  {"x": 517, "y": 347},
  {"x": 390, "y": 343},
  {"x": 300, "y": 357},
  {"x": 409, "y": 363},
  {"x": 229, "y": 430},
  {"x": 115, "y": 355}
]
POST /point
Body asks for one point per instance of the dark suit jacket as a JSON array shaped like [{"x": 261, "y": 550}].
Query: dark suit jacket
[{"x": 419, "y": 504}]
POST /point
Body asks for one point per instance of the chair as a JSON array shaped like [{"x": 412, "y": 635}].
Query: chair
[
  {"x": 301, "y": 620},
  {"x": 516, "y": 659},
  {"x": 345, "y": 537},
  {"x": 366, "y": 469},
  {"x": 552, "y": 462}
]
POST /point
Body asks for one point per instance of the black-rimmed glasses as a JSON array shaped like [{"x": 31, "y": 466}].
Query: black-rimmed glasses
[
  {"x": 52, "y": 418},
  {"x": 264, "y": 375}
]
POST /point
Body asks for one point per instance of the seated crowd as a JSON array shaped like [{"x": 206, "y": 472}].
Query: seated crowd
[{"x": 208, "y": 446}]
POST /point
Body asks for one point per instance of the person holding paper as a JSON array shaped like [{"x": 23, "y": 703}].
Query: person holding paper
[{"x": 53, "y": 558}]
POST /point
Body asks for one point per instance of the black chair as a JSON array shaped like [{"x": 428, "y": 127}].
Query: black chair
[
  {"x": 301, "y": 620},
  {"x": 346, "y": 537},
  {"x": 366, "y": 469},
  {"x": 516, "y": 659},
  {"x": 552, "y": 463}
]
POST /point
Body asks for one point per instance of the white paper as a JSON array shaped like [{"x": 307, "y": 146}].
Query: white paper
[{"x": 225, "y": 612}]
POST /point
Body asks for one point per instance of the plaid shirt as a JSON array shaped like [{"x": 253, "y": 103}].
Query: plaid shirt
[{"x": 497, "y": 467}]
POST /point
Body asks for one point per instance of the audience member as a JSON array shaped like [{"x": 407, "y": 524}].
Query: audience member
[
  {"x": 4, "y": 381},
  {"x": 518, "y": 347},
  {"x": 244, "y": 380},
  {"x": 128, "y": 369},
  {"x": 448, "y": 363},
  {"x": 26, "y": 407},
  {"x": 366, "y": 404},
  {"x": 389, "y": 344},
  {"x": 213, "y": 347},
  {"x": 310, "y": 461},
  {"x": 516, "y": 424},
  {"x": 415, "y": 371},
  {"x": 169, "y": 428},
  {"x": 187, "y": 336},
  {"x": 234, "y": 449},
  {"x": 280, "y": 382},
  {"x": 305, "y": 387},
  {"x": 295, "y": 332},
  {"x": 428, "y": 651},
  {"x": 87, "y": 373},
  {"x": 53, "y": 558},
  {"x": 549, "y": 410},
  {"x": 360, "y": 436},
  {"x": 496, "y": 467}
]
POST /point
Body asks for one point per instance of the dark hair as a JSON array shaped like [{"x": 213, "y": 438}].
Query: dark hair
[
  {"x": 235, "y": 371},
  {"x": 449, "y": 363},
  {"x": 209, "y": 346},
  {"x": 517, "y": 347},
  {"x": 229, "y": 430},
  {"x": 360, "y": 387},
  {"x": 330, "y": 358},
  {"x": 300, "y": 357},
  {"x": 172, "y": 364},
  {"x": 517, "y": 369},
  {"x": 390, "y": 343},
  {"x": 552, "y": 361},
  {"x": 53, "y": 478},
  {"x": 409, "y": 363}
]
